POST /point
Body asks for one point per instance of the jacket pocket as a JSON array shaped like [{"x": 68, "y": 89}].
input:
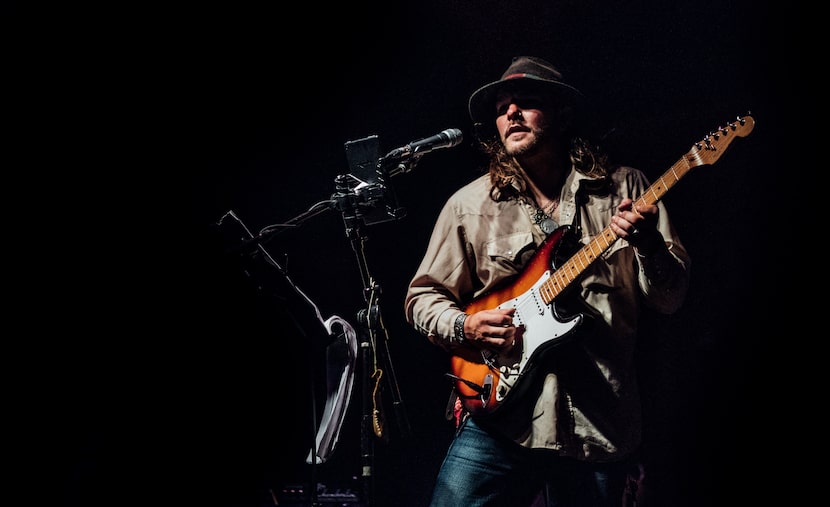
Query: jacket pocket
[{"x": 510, "y": 252}]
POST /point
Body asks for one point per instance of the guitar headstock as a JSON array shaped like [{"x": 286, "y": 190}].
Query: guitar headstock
[{"x": 709, "y": 149}]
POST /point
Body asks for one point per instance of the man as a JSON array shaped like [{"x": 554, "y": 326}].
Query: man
[{"x": 545, "y": 381}]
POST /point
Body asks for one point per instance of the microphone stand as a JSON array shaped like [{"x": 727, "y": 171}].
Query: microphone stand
[
  {"x": 352, "y": 204},
  {"x": 357, "y": 200}
]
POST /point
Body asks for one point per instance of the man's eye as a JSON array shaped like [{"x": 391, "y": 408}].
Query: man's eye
[
  {"x": 521, "y": 103},
  {"x": 529, "y": 103}
]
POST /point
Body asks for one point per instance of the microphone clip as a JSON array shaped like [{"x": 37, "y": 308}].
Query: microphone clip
[{"x": 395, "y": 163}]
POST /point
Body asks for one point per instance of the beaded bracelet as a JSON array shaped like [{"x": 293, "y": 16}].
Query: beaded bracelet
[{"x": 459, "y": 328}]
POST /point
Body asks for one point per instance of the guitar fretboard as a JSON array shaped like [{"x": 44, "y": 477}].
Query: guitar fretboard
[{"x": 702, "y": 153}]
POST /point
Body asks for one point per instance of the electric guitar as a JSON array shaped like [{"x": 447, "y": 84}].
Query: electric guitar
[{"x": 486, "y": 380}]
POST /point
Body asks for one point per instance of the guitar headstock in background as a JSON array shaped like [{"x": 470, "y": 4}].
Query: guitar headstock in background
[{"x": 709, "y": 149}]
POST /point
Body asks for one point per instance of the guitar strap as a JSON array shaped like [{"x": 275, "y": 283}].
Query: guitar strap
[{"x": 452, "y": 402}]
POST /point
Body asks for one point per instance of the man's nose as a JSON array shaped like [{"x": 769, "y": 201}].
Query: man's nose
[{"x": 513, "y": 112}]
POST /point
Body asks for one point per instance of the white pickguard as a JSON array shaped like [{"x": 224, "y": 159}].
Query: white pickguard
[{"x": 541, "y": 328}]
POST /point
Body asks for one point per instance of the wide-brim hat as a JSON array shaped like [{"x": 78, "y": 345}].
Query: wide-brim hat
[{"x": 524, "y": 73}]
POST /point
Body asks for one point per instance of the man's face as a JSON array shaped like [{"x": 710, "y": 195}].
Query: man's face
[{"x": 523, "y": 120}]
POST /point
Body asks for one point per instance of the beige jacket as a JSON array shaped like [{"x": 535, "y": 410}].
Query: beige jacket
[{"x": 588, "y": 404}]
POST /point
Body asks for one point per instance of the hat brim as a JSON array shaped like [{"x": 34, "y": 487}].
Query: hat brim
[{"x": 482, "y": 102}]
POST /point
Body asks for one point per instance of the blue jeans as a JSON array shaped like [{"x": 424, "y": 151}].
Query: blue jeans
[{"x": 482, "y": 469}]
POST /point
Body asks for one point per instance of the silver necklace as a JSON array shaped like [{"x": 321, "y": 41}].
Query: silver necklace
[{"x": 542, "y": 217}]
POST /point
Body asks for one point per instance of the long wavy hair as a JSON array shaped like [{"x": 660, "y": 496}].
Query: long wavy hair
[{"x": 508, "y": 179}]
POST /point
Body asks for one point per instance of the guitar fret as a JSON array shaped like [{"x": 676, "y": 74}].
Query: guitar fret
[
  {"x": 672, "y": 170},
  {"x": 609, "y": 237},
  {"x": 573, "y": 271},
  {"x": 695, "y": 156},
  {"x": 550, "y": 292},
  {"x": 665, "y": 185},
  {"x": 579, "y": 257},
  {"x": 549, "y": 295}
]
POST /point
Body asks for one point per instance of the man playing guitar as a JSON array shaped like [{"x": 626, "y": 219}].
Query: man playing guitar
[{"x": 533, "y": 280}]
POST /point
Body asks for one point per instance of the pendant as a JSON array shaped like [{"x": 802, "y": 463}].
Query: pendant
[{"x": 548, "y": 225}]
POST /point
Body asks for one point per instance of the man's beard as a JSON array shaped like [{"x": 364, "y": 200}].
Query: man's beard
[{"x": 531, "y": 147}]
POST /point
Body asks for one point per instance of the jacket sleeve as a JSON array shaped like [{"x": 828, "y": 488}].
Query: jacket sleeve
[
  {"x": 663, "y": 276},
  {"x": 435, "y": 293}
]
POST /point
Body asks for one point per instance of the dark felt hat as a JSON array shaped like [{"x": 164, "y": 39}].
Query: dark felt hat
[{"x": 524, "y": 73}]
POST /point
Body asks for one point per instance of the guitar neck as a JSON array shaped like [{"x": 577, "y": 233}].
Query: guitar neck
[
  {"x": 704, "y": 152},
  {"x": 576, "y": 265}
]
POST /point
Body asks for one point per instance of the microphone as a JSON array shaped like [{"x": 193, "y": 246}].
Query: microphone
[{"x": 444, "y": 139}]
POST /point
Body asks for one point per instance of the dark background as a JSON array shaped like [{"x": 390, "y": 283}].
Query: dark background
[{"x": 192, "y": 375}]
